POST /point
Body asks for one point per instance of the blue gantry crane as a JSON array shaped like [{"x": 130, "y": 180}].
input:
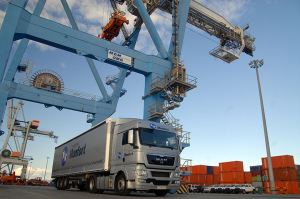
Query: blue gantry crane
[{"x": 166, "y": 80}]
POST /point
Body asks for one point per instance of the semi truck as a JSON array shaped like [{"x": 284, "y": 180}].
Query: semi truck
[{"x": 120, "y": 155}]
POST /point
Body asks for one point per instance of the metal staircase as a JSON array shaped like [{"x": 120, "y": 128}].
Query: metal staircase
[{"x": 185, "y": 167}]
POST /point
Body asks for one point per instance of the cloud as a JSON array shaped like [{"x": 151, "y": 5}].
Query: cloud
[{"x": 232, "y": 10}]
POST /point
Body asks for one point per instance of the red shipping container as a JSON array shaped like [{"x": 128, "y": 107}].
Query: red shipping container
[
  {"x": 199, "y": 169},
  {"x": 232, "y": 178},
  {"x": 283, "y": 161},
  {"x": 248, "y": 177},
  {"x": 216, "y": 170},
  {"x": 282, "y": 187},
  {"x": 282, "y": 174},
  {"x": 209, "y": 180},
  {"x": 234, "y": 166},
  {"x": 216, "y": 179}
]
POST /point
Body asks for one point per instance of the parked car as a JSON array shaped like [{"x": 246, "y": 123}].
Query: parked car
[
  {"x": 196, "y": 188},
  {"x": 247, "y": 188}
]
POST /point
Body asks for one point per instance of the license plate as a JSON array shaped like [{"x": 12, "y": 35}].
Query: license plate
[{"x": 161, "y": 187}]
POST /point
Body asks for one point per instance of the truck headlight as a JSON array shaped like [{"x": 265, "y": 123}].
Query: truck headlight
[{"x": 141, "y": 172}]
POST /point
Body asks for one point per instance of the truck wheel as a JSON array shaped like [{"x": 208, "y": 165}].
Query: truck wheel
[
  {"x": 92, "y": 185},
  {"x": 60, "y": 183},
  {"x": 161, "y": 192},
  {"x": 121, "y": 185},
  {"x": 66, "y": 183},
  {"x": 57, "y": 184}
]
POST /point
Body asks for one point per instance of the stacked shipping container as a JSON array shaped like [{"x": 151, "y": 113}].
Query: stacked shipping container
[
  {"x": 285, "y": 174},
  {"x": 298, "y": 174},
  {"x": 256, "y": 173},
  {"x": 232, "y": 172},
  {"x": 202, "y": 175}
]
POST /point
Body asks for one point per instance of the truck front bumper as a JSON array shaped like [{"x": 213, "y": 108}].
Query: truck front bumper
[{"x": 149, "y": 184}]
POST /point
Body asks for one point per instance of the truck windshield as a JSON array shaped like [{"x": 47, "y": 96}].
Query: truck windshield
[{"x": 157, "y": 138}]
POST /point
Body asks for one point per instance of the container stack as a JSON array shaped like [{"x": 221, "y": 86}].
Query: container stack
[
  {"x": 202, "y": 175},
  {"x": 199, "y": 173},
  {"x": 285, "y": 175},
  {"x": 256, "y": 174},
  {"x": 209, "y": 176},
  {"x": 298, "y": 174},
  {"x": 247, "y": 177},
  {"x": 216, "y": 175},
  {"x": 232, "y": 172}
]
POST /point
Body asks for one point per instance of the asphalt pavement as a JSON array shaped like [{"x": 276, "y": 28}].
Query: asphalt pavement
[{"x": 34, "y": 192}]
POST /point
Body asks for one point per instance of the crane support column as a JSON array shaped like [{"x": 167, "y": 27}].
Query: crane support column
[
  {"x": 9, "y": 27},
  {"x": 22, "y": 46},
  {"x": 151, "y": 28},
  {"x": 184, "y": 7}
]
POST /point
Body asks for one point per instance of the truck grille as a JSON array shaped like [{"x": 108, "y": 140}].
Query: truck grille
[
  {"x": 160, "y": 160},
  {"x": 160, "y": 174}
]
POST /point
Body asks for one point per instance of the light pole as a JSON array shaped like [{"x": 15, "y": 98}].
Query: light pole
[
  {"x": 257, "y": 64},
  {"x": 46, "y": 168}
]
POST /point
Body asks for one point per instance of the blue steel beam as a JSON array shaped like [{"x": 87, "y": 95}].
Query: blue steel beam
[
  {"x": 22, "y": 47},
  {"x": 151, "y": 28},
  {"x": 41, "y": 96},
  {"x": 7, "y": 31},
  {"x": 59, "y": 36},
  {"x": 89, "y": 60},
  {"x": 184, "y": 7}
]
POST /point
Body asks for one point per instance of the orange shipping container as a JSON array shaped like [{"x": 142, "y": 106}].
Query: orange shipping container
[
  {"x": 198, "y": 179},
  {"x": 234, "y": 166},
  {"x": 232, "y": 178},
  {"x": 283, "y": 161},
  {"x": 248, "y": 177},
  {"x": 199, "y": 169},
  {"x": 209, "y": 180},
  {"x": 216, "y": 179},
  {"x": 283, "y": 187},
  {"x": 282, "y": 174},
  {"x": 216, "y": 170}
]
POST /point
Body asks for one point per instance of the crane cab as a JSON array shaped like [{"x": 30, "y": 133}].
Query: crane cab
[{"x": 112, "y": 28}]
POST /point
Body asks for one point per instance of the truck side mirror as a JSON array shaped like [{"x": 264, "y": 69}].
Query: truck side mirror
[{"x": 130, "y": 137}]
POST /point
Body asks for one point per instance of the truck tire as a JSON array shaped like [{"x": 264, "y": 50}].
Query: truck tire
[
  {"x": 60, "y": 183},
  {"x": 65, "y": 183},
  {"x": 92, "y": 185},
  {"x": 161, "y": 192},
  {"x": 121, "y": 185}
]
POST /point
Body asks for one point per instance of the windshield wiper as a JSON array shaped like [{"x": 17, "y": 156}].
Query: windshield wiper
[
  {"x": 169, "y": 147},
  {"x": 151, "y": 145}
]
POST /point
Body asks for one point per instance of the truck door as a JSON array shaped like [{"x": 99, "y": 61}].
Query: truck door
[{"x": 128, "y": 156}]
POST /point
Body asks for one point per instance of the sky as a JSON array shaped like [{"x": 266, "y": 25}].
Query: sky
[{"x": 222, "y": 113}]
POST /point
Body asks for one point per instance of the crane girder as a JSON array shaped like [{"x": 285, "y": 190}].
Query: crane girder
[
  {"x": 216, "y": 25},
  {"x": 233, "y": 39}
]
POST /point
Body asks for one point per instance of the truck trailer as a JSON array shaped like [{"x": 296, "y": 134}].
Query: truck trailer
[{"x": 120, "y": 155}]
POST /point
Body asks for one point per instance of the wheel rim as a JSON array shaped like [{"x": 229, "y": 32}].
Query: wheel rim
[
  {"x": 121, "y": 184},
  {"x": 91, "y": 184},
  {"x": 60, "y": 184},
  {"x": 65, "y": 183}
]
